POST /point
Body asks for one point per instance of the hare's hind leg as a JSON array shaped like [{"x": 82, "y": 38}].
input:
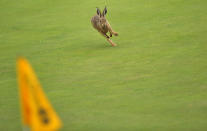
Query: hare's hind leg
[
  {"x": 111, "y": 30},
  {"x": 115, "y": 33}
]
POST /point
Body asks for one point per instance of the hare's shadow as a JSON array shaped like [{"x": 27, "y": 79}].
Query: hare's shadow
[{"x": 103, "y": 45}]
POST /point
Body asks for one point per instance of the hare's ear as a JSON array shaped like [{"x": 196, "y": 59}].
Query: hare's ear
[
  {"x": 105, "y": 11},
  {"x": 98, "y": 11}
]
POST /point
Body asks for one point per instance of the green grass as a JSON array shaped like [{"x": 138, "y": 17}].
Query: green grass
[{"x": 154, "y": 80}]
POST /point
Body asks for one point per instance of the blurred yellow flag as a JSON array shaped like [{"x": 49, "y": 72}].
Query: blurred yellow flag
[{"x": 37, "y": 112}]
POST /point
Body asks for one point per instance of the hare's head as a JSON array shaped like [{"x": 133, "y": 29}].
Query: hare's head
[{"x": 102, "y": 16}]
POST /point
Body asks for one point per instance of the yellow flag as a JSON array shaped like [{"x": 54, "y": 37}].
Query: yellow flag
[{"x": 37, "y": 112}]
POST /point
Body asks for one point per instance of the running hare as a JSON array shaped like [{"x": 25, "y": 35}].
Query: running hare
[{"x": 100, "y": 23}]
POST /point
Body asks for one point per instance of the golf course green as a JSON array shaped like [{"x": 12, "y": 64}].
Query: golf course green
[{"x": 155, "y": 79}]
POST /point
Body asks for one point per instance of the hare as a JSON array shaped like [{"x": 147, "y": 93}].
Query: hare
[{"x": 101, "y": 24}]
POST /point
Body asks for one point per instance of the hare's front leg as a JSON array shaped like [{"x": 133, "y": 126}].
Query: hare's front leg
[
  {"x": 107, "y": 37},
  {"x": 104, "y": 34},
  {"x": 110, "y": 34},
  {"x": 111, "y": 42}
]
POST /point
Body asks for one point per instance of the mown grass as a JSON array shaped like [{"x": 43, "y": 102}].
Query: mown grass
[{"x": 155, "y": 79}]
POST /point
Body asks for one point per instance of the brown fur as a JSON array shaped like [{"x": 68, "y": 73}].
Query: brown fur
[{"x": 101, "y": 24}]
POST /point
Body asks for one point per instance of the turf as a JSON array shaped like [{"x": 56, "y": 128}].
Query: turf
[{"x": 154, "y": 80}]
